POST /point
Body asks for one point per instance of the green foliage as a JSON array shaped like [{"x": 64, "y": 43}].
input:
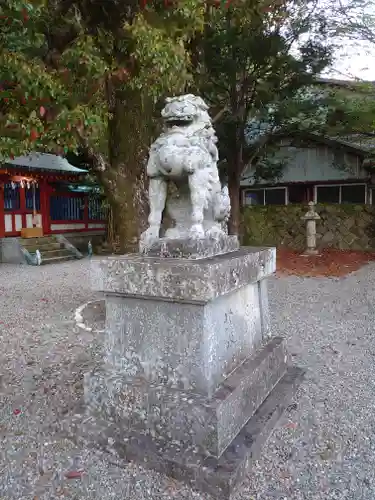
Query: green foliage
[
  {"x": 352, "y": 24},
  {"x": 257, "y": 227},
  {"x": 253, "y": 61},
  {"x": 63, "y": 63},
  {"x": 41, "y": 105},
  {"x": 355, "y": 110},
  {"x": 270, "y": 164}
]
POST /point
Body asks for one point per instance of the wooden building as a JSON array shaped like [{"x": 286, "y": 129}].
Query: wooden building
[
  {"x": 45, "y": 191},
  {"x": 323, "y": 170}
]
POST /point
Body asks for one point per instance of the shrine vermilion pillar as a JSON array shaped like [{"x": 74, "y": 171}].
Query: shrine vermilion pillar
[
  {"x": 2, "y": 223},
  {"x": 44, "y": 205}
]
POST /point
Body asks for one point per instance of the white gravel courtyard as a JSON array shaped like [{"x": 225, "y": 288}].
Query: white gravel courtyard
[{"x": 324, "y": 447}]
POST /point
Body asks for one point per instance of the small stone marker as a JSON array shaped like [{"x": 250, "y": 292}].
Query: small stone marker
[{"x": 311, "y": 217}]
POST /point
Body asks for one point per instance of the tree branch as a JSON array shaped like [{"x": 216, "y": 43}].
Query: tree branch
[
  {"x": 97, "y": 160},
  {"x": 219, "y": 114}
]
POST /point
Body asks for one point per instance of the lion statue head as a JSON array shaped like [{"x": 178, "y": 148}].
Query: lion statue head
[{"x": 184, "y": 111}]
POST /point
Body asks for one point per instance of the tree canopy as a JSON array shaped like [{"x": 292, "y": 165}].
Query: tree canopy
[
  {"x": 353, "y": 25},
  {"x": 59, "y": 60},
  {"x": 251, "y": 62},
  {"x": 85, "y": 74}
]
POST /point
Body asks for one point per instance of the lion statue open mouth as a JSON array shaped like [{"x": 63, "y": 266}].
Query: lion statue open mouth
[{"x": 186, "y": 154}]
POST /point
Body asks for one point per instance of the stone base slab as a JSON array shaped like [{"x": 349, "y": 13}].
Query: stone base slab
[
  {"x": 182, "y": 280},
  {"x": 190, "y": 248},
  {"x": 218, "y": 477},
  {"x": 311, "y": 253},
  {"x": 188, "y": 418}
]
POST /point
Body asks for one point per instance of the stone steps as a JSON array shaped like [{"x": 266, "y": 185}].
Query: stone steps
[
  {"x": 37, "y": 241},
  {"x": 42, "y": 247},
  {"x": 55, "y": 260},
  {"x": 51, "y": 250}
]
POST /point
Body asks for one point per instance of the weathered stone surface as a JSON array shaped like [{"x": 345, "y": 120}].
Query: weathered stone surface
[
  {"x": 193, "y": 248},
  {"x": 182, "y": 280},
  {"x": 186, "y": 346},
  {"x": 188, "y": 361},
  {"x": 218, "y": 477},
  {"x": 264, "y": 308},
  {"x": 11, "y": 252},
  {"x": 189, "y": 418}
]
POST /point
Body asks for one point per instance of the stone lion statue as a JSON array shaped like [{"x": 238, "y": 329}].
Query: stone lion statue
[{"x": 186, "y": 155}]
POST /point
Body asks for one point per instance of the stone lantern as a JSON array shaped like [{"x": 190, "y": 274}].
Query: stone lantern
[{"x": 311, "y": 217}]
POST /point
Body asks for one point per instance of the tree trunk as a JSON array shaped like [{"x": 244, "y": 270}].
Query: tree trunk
[
  {"x": 235, "y": 170},
  {"x": 234, "y": 194},
  {"x": 131, "y": 129}
]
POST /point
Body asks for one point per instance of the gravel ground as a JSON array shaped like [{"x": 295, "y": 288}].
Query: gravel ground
[{"x": 324, "y": 447}]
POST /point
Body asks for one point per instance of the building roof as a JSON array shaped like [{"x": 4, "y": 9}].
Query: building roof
[
  {"x": 363, "y": 142},
  {"x": 45, "y": 161},
  {"x": 353, "y": 84}
]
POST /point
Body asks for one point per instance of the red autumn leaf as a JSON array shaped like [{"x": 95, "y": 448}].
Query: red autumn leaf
[
  {"x": 16, "y": 411},
  {"x": 34, "y": 135},
  {"x": 42, "y": 111},
  {"x": 25, "y": 15},
  {"x": 291, "y": 425},
  {"x": 74, "y": 474}
]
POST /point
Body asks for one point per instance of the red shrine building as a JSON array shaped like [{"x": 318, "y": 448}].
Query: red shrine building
[{"x": 43, "y": 195}]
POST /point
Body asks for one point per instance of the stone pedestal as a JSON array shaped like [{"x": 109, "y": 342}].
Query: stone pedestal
[{"x": 192, "y": 383}]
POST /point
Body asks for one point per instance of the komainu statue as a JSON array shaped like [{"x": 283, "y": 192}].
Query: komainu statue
[{"x": 186, "y": 155}]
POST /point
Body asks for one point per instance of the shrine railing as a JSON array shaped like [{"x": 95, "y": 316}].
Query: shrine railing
[{"x": 76, "y": 212}]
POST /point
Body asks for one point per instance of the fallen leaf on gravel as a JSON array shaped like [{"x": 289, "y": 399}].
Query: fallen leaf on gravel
[
  {"x": 291, "y": 425},
  {"x": 61, "y": 492},
  {"x": 74, "y": 474},
  {"x": 16, "y": 411}
]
